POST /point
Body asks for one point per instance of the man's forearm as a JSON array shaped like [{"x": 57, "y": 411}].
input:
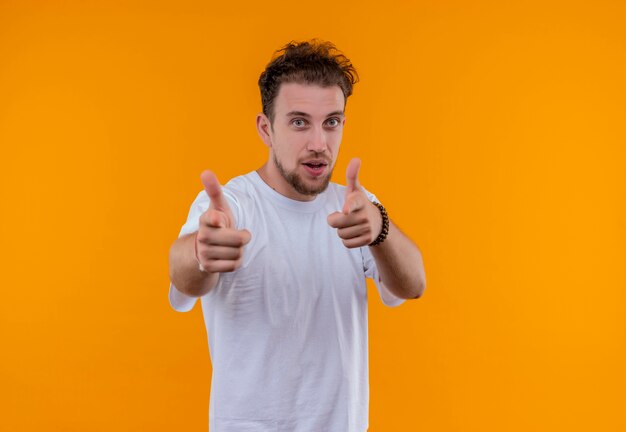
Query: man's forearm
[
  {"x": 400, "y": 264},
  {"x": 184, "y": 271}
]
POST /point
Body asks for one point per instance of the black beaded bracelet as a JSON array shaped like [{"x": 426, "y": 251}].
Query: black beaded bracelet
[{"x": 385, "y": 228}]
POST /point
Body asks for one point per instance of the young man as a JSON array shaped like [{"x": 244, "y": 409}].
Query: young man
[{"x": 279, "y": 258}]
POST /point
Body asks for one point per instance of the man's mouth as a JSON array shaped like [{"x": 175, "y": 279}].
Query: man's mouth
[
  {"x": 315, "y": 167},
  {"x": 315, "y": 163}
]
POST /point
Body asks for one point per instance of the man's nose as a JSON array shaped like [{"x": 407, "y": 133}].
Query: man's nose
[{"x": 317, "y": 141}]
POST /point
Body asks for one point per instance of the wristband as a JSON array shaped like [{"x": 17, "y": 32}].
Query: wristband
[{"x": 385, "y": 225}]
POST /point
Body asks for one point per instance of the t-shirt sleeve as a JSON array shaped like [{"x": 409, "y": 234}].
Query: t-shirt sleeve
[
  {"x": 179, "y": 301},
  {"x": 371, "y": 270}
]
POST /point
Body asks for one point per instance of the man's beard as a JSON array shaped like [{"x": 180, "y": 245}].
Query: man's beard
[{"x": 296, "y": 182}]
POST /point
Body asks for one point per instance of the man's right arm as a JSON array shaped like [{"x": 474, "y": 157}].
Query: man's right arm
[
  {"x": 197, "y": 259},
  {"x": 185, "y": 273}
]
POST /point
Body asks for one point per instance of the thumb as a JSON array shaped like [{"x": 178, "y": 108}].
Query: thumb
[
  {"x": 353, "y": 203},
  {"x": 218, "y": 218},
  {"x": 214, "y": 191},
  {"x": 352, "y": 175},
  {"x": 352, "y": 185}
]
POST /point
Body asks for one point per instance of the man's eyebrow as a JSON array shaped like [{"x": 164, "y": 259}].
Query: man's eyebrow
[
  {"x": 298, "y": 113},
  {"x": 306, "y": 115},
  {"x": 336, "y": 113}
]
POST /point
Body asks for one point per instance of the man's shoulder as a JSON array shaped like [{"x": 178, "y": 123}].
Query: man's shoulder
[
  {"x": 336, "y": 186},
  {"x": 335, "y": 190},
  {"x": 242, "y": 185},
  {"x": 235, "y": 190},
  {"x": 241, "y": 180}
]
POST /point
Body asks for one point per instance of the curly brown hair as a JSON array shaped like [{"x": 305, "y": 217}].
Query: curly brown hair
[{"x": 311, "y": 62}]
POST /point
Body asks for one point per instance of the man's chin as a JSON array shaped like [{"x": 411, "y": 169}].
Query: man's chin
[
  {"x": 310, "y": 187},
  {"x": 302, "y": 182}
]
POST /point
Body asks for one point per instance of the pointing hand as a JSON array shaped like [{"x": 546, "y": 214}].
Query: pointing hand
[
  {"x": 219, "y": 245},
  {"x": 360, "y": 222}
]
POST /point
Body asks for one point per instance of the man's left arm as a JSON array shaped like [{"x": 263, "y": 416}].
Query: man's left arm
[
  {"x": 400, "y": 264},
  {"x": 398, "y": 259}
]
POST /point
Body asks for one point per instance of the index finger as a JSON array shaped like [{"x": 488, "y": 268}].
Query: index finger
[{"x": 228, "y": 237}]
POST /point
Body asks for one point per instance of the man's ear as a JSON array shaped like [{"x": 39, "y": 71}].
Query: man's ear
[{"x": 264, "y": 127}]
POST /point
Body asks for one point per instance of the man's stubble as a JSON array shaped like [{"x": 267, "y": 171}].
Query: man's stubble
[{"x": 296, "y": 182}]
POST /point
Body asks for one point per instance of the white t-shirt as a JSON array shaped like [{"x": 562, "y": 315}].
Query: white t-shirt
[{"x": 288, "y": 329}]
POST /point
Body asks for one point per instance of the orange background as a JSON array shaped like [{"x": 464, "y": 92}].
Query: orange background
[{"x": 494, "y": 134}]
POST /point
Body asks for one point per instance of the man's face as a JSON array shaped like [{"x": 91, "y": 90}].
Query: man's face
[{"x": 305, "y": 138}]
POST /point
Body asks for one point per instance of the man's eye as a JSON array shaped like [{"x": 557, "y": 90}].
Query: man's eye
[
  {"x": 298, "y": 123},
  {"x": 333, "y": 122}
]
